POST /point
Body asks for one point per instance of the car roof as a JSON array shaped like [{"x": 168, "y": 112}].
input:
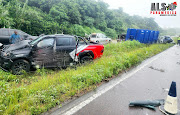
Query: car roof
[
  {"x": 96, "y": 33},
  {"x": 58, "y": 35},
  {"x": 7, "y": 29}
]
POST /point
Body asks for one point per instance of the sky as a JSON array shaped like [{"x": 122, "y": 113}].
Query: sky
[{"x": 143, "y": 7}]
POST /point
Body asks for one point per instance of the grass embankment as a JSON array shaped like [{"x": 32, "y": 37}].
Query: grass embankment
[
  {"x": 175, "y": 39},
  {"x": 42, "y": 90}
]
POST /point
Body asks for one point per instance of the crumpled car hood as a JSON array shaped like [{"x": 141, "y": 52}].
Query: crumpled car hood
[{"x": 17, "y": 46}]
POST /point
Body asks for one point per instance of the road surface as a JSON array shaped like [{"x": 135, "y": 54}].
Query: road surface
[{"x": 148, "y": 81}]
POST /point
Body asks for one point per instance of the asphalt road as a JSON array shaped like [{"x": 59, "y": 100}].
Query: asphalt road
[{"x": 148, "y": 81}]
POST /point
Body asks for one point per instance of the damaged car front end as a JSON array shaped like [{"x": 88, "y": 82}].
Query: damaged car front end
[{"x": 11, "y": 53}]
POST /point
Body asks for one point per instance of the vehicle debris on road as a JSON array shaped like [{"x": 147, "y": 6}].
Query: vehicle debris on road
[
  {"x": 147, "y": 104},
  {"x": 161, "y": 70}
]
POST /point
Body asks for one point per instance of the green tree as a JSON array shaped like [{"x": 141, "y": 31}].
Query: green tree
[
  {"x": 5, "y": 20},
  {"x": 111, "y": 33},
  {"x": 70, "y": 17}
]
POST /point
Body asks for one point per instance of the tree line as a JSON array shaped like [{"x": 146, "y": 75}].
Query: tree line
[{"x": 75, "y": 17}]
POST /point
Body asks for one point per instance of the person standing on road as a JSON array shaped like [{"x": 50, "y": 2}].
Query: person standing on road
[{"x": 14, "y": 38}]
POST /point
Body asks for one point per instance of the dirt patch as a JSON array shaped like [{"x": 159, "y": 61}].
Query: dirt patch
[{"x": 161, "y": 70}]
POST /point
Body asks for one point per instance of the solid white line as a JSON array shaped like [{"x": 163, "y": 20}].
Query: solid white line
[{"x": 90, "y": 99}]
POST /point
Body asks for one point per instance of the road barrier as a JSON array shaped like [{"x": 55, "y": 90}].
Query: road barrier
[{"x": 170, "y": 106}]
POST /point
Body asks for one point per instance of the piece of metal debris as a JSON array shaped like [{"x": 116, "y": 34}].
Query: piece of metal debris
[
  {"x": 148, "y": 104},
  {"x": 165, "y": 89}
]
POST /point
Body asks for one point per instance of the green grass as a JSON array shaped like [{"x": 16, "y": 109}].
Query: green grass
[
  {"x": 40, "y": 91},
  {"x": 175, "y": 39}
]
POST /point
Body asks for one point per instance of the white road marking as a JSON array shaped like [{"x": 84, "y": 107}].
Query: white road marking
[{"x": 93, "y": 97}]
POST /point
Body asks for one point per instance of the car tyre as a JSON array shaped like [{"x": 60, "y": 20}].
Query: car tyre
[
  {"x": 97, "y": 42},
  {"x": 19, "y": 66},
  {"x": 86, "y": 59}
]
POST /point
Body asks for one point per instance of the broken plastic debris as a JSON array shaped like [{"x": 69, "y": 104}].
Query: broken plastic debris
[{"x": 148, "y": 104}]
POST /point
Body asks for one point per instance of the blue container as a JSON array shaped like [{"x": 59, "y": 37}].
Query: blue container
[
  {"x": 131, "y": 34},
  {"x": 138, "y": 32},
  {"x": 146, "y": 37},
  {"x": 151, "y": 37},
  {"x": 143, "y": 36},
  {"x": 140, "y": 35},
  {"x": 155, "y": 37},
  {"x": 128, "y": 34}
]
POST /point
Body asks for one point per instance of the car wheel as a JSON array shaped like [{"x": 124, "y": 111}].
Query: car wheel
[
  {"x": 109, "y": 41},
  {"x": 19, "y": 66},
  {"x": 86, "y": 59},
  {"x": 97, "y": 42}
]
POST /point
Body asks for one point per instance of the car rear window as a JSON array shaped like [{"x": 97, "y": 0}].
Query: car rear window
[
  {"x": 11, "y": 32},
  {"x": 5, "y": 32},
  {"x": 22, "y": 33},
  {"x": 63, "y": 41},
  {"x": 103, "y": 36},
  {"x": 93, "y": 36}
]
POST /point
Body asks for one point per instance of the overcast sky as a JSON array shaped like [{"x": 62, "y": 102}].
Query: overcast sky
[{"x": 143, "y": 7}]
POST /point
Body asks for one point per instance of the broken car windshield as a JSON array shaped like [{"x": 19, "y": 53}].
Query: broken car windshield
[{"x": 36, "y": 40}]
